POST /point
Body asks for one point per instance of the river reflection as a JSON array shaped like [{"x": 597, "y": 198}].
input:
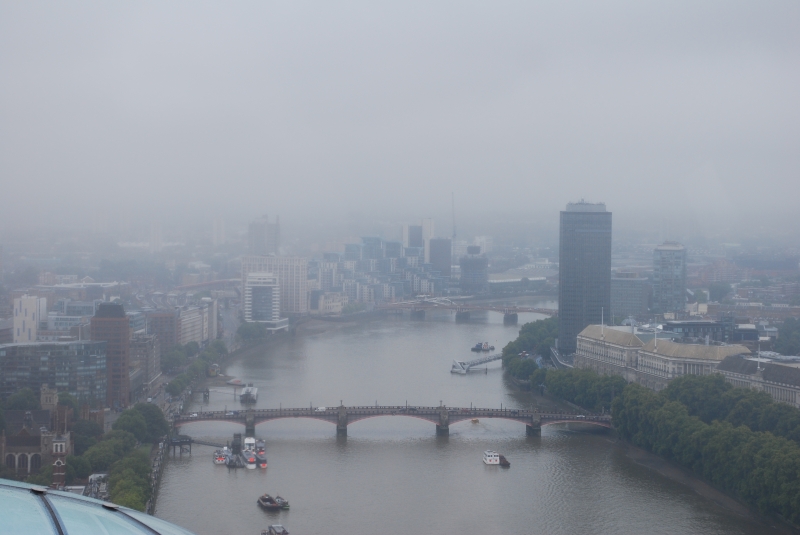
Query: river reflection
[{"x": 392, "y": 475}]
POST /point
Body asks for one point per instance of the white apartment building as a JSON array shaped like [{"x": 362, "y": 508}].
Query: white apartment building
[
  {"x": 28, "y": 312},
  {"x": 262, "y": 301},
  {"x": 292, "y": 274}
]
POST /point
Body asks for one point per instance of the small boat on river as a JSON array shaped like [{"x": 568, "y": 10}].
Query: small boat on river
[
  {"x": 491, "y": 457},
  {"x": 261, "y": 454},
  {"x": 482, "y": 347},
  {"x": 221, "y": 456},
  {"x": 268, "y": 503},
  {"x": 504, "y": 462}
]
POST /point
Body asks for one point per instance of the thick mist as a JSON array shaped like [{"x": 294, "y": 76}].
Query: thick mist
[{"x": 676, "y": 114}]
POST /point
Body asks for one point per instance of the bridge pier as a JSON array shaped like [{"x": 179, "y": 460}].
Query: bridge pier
[
  {"x": 533, "y": 431},
  {"x": 462, "y": 316},
  {"x": 510, "y": 318},
  {"x": 418, "y": 315},
  {"x": 341, "y": 422},
  {"x": 249, "y": 424},
  {"x": 443, "y": 427}
]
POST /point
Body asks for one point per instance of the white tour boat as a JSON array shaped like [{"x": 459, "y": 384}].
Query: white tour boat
[{"x": 491, "y": 457}]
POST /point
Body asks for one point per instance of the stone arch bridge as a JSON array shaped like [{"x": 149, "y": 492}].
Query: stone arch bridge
[{"x": 442, "y": 416}]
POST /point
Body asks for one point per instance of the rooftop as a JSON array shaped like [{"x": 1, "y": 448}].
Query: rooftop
[
  {"x": 30, "y": 509},
  {"x": 694, "y": 351},
  {"x": 612, "y": 336}
]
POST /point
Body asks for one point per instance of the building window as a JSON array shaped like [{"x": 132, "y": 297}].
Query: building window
[{"x": 22, "y": 462}]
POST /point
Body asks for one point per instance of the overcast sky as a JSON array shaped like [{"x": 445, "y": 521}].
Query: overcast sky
[{"x": 325, "y": 108}]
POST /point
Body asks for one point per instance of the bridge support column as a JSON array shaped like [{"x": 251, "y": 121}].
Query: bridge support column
[
  {"x": 443, "y": 427},
  {"x": 510, "y": 318},
  {"x": 462, "y": 316},
  {"x": 341, "y": 422},
  {"x": 249, "y": 424},
  {"x": 534, "y": 429}
]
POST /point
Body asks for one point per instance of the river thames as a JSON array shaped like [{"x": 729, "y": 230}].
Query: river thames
[{"x": 393, "y": 475}]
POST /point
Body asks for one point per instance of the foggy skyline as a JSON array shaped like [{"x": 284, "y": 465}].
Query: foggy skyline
[{"x": 318, "y": 111}]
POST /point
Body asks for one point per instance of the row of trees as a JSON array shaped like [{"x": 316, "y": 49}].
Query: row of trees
[
  {"x": 535, "y": 338},
  {"x": 760, "y": 468},
  {"x": 788, "y": 343},
  {"x": 213, "y": 353},
  {"x": 726, "y": 435}
]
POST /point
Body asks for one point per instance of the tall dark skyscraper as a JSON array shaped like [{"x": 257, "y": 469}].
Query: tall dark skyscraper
[
  {"x": 584, "y": 289},
  {"x": 111, "y": 325},
  {"x": 441, "y": 251}
]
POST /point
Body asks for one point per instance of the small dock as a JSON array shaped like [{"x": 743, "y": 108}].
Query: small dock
[{"x": 463, "y": 367}]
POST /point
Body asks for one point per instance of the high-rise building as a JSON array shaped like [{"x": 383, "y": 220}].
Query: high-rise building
[
  {"x": 412, "y": 236},
  {"x": 146, "y": 356},
  {"x": 441, "y": 256},
  {"x": 263, "y": 237},
  {"x": 427, "y": 234},
  {"x": 164, "y": 324},
  {"x": 292, "y": 274},
  {"x": 474, "y": 271},
  {"x": 584, "y": 291},
  {"x": 669, "y": 278},
  {"x": 630, "y": 296},
  {"x": 111, "y": 325},
  {"x": 75, "y": 367},
  {"x": 262, "y": 301},
  {"x": 29, "y": 312}
]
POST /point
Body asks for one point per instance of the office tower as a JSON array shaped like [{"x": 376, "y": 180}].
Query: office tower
[
  {"x": 485, "y": 242},
  {"x": 75, "y": 367},
  {"x": 164, "y": 324},
  {"x": 262, "y": 301},
  {"x": 29, "y": 312},
  {"x": 412, "y": 236},
  {"x": 263, "y": 237},
  {"x": 669, "y": 278},
  {"x": 584, "y": 291},
  {"x": 630, "y": 296},
  {"x": 292, "y": 273},
  {"x": 474, "y": 271},
  {"x": 441, "y": 253},
  {"x": 111, "y": 325},
  {"x": 146, "y": 356},
  {"x": 427, "y": 234}
]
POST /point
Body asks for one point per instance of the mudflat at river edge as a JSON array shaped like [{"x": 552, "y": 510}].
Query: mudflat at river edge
[{"x": 394, "y": 475}]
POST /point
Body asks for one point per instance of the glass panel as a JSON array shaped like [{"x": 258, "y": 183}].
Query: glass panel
[
  {"x": 85, "y": 518},
  {"x": 23, "y": 512},
  {"x": 165, "y": 528}
]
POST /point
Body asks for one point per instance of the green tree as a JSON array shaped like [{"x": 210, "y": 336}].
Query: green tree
[
  {"x": 24, "y": 400},
  {"x": 701, "y": 296},
  {"x": 133, "y": 422},
  {"x": 81, "y": 466},
  {"x": 191, "y": 349},
  {"x": 44, "y": 478},
  {"x": 173, "y": 359},
  {"x": 85, "y": 434},
  {"x": 157, "y": 425},
  {"x": 788, "y": 341},
  {"x": 719, "y": 290},
  {"x": 68, "y": 400}
]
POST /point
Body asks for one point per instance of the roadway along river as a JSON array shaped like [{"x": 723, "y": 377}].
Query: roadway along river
[{"x": 392, "y": 475}]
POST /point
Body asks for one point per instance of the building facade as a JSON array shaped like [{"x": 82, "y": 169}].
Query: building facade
[
  {"x": 474, "y": 271},
  {"x": 75, "y": 367},
  {"x": 630, "y": 296},
  {"x": 653, "y": 364},
  {"x": 669, "y": 278},
  {"x": 262, "y": 301},
  {"x": 441, "y": 250},
  {"x": 29, "y": 312},
  {"x": 263, "y": 237},
  {"x": 779, "y": 380},
  {"x": 292, "y": 274},
  {"x": 111, "y": 325},
  {"x": 584, "y": 291}
]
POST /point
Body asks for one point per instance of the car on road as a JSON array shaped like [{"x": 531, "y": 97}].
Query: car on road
[
  {"x": 321, "y": 409},
  {"x": 581, "y": 416},
  {"x": 193, "y": 415},
  {"x": 229, "y": 414}
]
